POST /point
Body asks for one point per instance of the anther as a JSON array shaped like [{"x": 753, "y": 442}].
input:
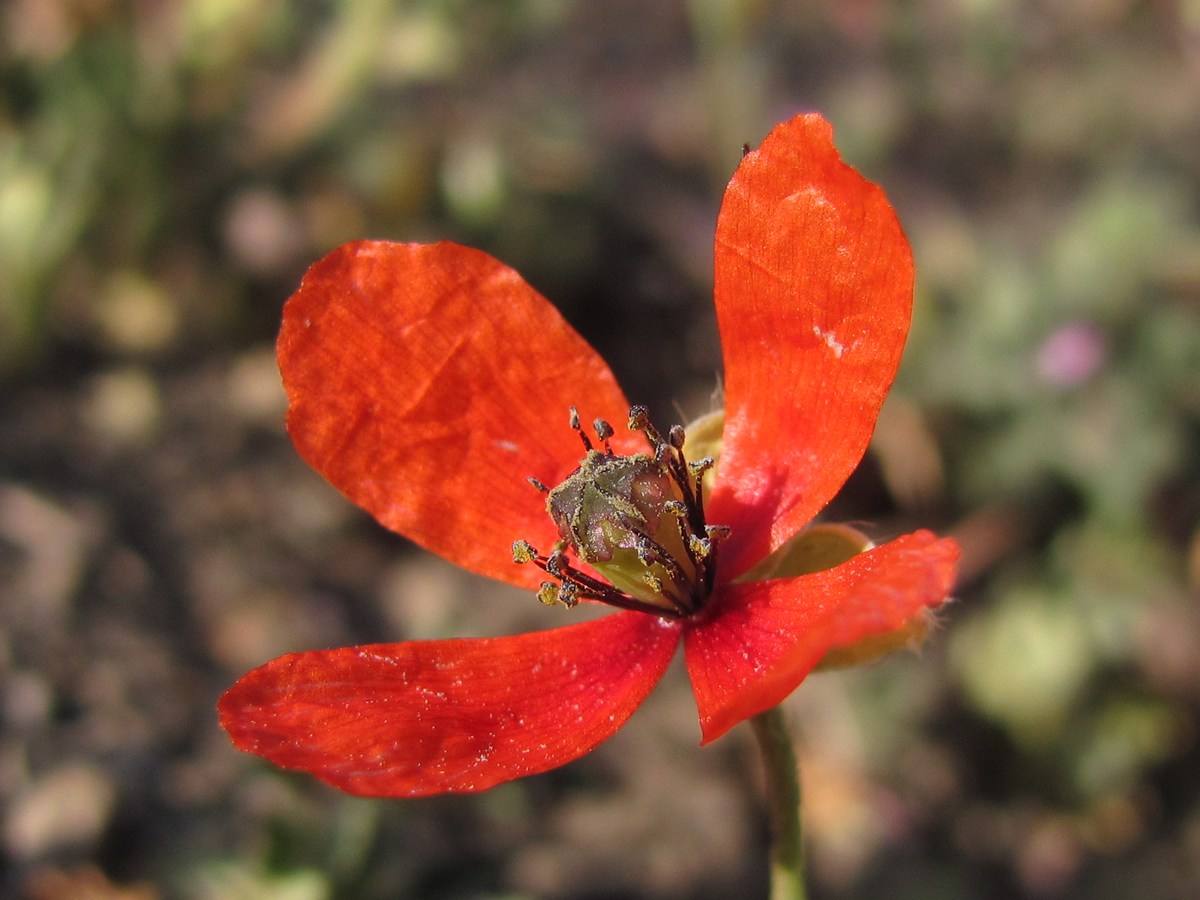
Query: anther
[
  {"x": 537, "y": 484},
  {"x": 568, "y": 594},
  {"x": 523, "y": 552},
  {"x": 547, "y": 593},
  {"x": 717, "y": 532},
  {"x": 676, "y": 508}
]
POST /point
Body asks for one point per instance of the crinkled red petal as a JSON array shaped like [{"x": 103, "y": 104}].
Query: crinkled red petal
[
  {"x": 760, "y": 639},
  {"x": 427, "y": 717},
  {"x": 814, "y": 286},
  {"x": 428, "y": 383}
]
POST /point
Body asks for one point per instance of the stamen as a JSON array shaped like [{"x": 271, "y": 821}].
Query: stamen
[
  {"x": 573, "y": 585},
  {"x": 578, "y": 429},
  {"x": 639, "y": 420},
  {"x": 610, "y": 511}
]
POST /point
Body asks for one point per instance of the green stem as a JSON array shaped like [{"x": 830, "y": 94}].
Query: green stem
[{"x": 783, "y": 797}]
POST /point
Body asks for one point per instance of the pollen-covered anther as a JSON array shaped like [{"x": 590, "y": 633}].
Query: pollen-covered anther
[
  {"x": 676, "y": 508},
  {"x": 717, "y": 532},
  {"x": 568, "y": 594},
  {"x": 523, "y": 552}
]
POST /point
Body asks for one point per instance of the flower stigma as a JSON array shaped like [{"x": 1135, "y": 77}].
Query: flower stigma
[{"x": 637, "y": 520}]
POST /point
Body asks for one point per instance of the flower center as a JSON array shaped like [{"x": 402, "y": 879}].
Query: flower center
[{"x": 637, "y": 520}]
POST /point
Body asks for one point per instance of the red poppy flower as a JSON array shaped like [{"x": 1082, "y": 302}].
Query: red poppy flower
[{"x": 430, "y": 384}]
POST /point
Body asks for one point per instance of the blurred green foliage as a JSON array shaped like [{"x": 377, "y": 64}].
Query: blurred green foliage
[{"x": 167, "y": 170}]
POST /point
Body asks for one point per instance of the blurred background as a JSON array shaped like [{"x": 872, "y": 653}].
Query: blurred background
[{"x": 167, "y": 171}]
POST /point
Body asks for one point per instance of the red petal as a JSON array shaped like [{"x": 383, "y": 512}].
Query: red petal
[
  {"x": 814, "y": 285},
  {"x": 427, "y": 717},
  {"x": 427, "y": 383},
  {"x": 762, "y": 638}
]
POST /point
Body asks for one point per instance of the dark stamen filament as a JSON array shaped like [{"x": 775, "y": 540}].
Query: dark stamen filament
[{"x": 574, "y": 585}]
